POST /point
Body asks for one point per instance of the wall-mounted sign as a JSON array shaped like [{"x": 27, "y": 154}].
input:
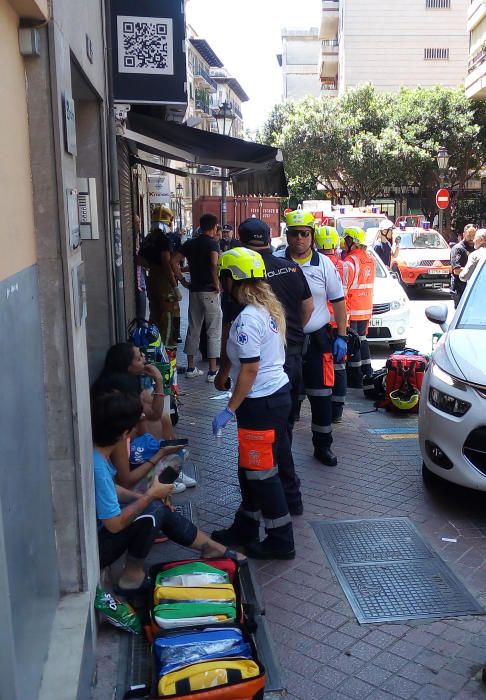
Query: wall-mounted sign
[
  {"x": 73, "y": 217},
  {"x": 69, "y": 125},
  {"x": 149, "y": 60},
  {"x": 159, "y": 190},
  {"x": 88, "y": 208}
]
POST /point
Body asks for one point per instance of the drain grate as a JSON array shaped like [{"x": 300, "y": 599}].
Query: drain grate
[{"x": 388, "y": 572}]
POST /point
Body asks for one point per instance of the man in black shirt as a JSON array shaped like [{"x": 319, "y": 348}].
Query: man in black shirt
[
  {"x": 204, "y": 304},
  {"x": 459, "y": 255},
  {"x": 383, "y": 247},
  {"x": 292, "y": 290}
]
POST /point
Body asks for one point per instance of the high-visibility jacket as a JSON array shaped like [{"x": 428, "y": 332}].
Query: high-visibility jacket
[
  {"x": 361, "y": 280},
  {"x": 343, "y": 271}
]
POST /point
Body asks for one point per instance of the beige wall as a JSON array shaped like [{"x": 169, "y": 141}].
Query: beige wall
[
  {"x": 383, "y": 43},
  {"x": 17, "y": 241}
]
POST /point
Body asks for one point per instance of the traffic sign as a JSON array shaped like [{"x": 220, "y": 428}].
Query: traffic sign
[{"x": 442, "y": 198}]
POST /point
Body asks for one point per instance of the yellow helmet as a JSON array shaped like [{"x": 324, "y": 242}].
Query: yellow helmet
[
  {"x": 299, "y": 217},
  {"x": 242, "y": 264},
  {"x": 356, "y": 233},
  {"x": 327, "y": 238},
  {"x": 162, "y": 214},
  {"x": 405, "y": 400}
]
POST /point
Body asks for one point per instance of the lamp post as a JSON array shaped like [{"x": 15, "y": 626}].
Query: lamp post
[
  {"x": 179, "y": 196},
  {"x": 224, "y": 117},
  {"x": 442, "y": 163}
]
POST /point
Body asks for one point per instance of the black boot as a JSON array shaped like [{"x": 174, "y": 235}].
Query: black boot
[
  {"x": 268, "y": 550},
  {"x": 232, "y": 536},
  {"x": 296, "y": 508},
  {"x": 326, "y": 456}
]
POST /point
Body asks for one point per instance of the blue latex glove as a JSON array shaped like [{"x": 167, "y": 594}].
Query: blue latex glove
[
  {"x": 222, "y": 419},
  {"x": 339, "y": 348}
]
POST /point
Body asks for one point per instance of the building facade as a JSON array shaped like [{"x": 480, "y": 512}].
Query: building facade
[
  {"x": 475, "y": 82},
  {"x": 391, "y": 45},
  {"x": 299, "y": 60}
]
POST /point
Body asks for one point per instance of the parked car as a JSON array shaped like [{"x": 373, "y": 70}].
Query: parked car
[
  {"x": 452, "y": 416},
  {"x": 421, "y": 258},
  {"x": 391, "y": 309}
]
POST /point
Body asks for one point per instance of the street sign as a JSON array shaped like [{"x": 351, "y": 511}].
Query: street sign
[{"x": 443, "y": 198}]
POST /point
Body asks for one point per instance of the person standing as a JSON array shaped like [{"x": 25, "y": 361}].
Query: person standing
[
  {"x": 327, "y": 243},
  {"x": 322, "y": 347},
  {"x": 476, "y": 256},
  {"x": 204, "y": 304},
  {"x": 361, "y": 281},
  {"x": 227, "y": 241},
  {"x": 459, "y": 255},
  {"x": 383, "y": 247},
  {"x": 292, "y": 290},
  {"x": 261, "y": 403},
  {"x": 162, "y": 291}
]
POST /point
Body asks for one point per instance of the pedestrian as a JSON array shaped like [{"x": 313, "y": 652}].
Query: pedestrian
[
  {"x": 322, "y": 347},
  {"x": 459, "y": 256},
  {"x": 204, "y": 303},
  {"x": 327, "y": 243},
  {"x": 476, "y": 256},
  {"x": 162, "y": 291},
  {"x": 261, "y": 403},
  {"x": 227, "y": 240},
  {"x": 361, "y": 281},
  {"x": 290, "y": 286},
  {"x": 128, "y": 522},
  {"x": 383, "y": 247}
]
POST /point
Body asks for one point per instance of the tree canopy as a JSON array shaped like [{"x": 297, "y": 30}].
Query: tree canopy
[{"x": 366, "y": 143}]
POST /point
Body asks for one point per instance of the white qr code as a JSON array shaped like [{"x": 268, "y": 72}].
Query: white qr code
[{"x": 145, "y": 45}]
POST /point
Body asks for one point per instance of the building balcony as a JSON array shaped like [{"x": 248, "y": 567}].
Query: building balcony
[
  {"x": 475, "y": 83},
  {"x": 329, "y": 87},
  {"x": 329, "y": 19},
  {"x": 330, "y": 47},
  {"x": 203, "y": 79},
  {"x": 476, "y": 12},
  {"x": 202, "y": 102}
]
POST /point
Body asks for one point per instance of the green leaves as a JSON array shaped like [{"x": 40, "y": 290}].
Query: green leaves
[{"x": 366, "y": 143}]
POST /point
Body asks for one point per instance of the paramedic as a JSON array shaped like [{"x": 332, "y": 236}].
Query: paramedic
[{"x": 261, "y": 404}]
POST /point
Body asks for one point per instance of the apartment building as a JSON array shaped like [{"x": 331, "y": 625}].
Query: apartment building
[
  {"x": 475, "y": 82},
  {"x": 423, "y": 42},
  {"x": 299, "y": 60}
]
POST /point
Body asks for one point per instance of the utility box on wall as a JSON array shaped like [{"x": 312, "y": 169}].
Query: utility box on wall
[{"x": 240, "y": 208}]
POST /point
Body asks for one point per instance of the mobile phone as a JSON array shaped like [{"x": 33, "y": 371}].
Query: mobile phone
[
  {"x": 174, "y": 443},
  {"x": 169, "y": 475}
]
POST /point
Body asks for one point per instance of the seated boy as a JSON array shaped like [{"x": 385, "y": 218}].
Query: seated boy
[{"x": 129, "y": 521}]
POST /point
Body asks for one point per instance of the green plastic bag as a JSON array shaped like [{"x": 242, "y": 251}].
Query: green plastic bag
[{"x": 117, "y": 612}]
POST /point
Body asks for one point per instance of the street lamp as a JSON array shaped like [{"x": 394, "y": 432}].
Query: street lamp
[
  {"x": 224, "y": 117},
  {"x": 179, "y": 196},
  {"x": 442, "y": 162}
]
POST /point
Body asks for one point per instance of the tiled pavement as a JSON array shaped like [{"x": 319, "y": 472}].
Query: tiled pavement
[{"x": 323, "y": 651}]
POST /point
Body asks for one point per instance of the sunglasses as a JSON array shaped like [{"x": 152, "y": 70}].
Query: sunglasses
[{"x": 302, "y": 234}]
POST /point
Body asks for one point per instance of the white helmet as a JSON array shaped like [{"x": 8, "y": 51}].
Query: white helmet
[{"x": 385, "y": 224}]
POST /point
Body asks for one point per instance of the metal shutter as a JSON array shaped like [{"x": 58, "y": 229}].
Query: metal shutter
[{"x": 126, "y": 216}]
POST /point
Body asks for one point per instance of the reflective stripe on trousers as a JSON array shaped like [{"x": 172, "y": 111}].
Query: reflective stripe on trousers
[{"x": 319, "y": 395}]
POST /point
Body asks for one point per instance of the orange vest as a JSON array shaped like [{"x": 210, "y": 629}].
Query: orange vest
[
  {"x": 343, "y": 272},
  {"x": 361, "y": 283}
]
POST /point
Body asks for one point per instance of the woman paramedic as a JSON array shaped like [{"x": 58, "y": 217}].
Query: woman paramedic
[{"x": 260, "y": 402}]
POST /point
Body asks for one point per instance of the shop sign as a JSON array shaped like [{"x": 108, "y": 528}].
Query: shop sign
[{"x": 149, "y": 60}]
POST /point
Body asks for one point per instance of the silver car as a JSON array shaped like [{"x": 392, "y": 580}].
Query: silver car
[{"x": 452, "y": 418}]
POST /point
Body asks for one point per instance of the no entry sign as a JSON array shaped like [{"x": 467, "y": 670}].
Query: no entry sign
[{"x": 442, "y": 198}]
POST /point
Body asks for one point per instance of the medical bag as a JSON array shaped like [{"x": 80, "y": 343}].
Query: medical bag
[{"x": 405, "y": 374}]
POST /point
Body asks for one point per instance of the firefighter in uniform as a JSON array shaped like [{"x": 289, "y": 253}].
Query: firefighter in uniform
[
  {"x": 322, "y": 347},
  {"x": 162, "y": 291},
  {"x": 260, "y": 402},
  {"x": 361, "y": 280},
  {"x": 327, "y": 243}
]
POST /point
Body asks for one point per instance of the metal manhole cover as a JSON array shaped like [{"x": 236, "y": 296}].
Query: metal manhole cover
[{"x": 389, "y": 573}]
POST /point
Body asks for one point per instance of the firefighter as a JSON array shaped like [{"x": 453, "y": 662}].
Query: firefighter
[
  {"x": 162, "y": 291},
  {"x": 260, "y": 402},
  {"x": 322, "y": 347},
  {"x": 361, "y": 280},
  {"x": 327, "y": 243}
]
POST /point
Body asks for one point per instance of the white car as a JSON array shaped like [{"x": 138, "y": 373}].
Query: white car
[
  {"x": 452, "y": 417},
  {"x": 391, "y": 309}
]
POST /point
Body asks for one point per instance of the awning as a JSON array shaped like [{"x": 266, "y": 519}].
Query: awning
[{"x": 253, "y": 168}]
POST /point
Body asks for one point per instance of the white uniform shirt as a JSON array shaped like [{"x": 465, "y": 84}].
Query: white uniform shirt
[
  {"x": 254, "y": 337},
  {"x": 325, "y": 285}
]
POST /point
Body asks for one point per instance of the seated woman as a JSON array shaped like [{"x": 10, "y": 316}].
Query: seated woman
[
  {"x": 128, "y": 521},
  {"x": 127, "y": 357}
]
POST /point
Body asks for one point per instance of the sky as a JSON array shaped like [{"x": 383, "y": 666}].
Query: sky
[{"x": 246, "y": 36}]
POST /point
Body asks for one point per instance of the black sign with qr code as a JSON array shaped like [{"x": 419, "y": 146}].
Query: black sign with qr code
[{"x": 149, "y": 60}]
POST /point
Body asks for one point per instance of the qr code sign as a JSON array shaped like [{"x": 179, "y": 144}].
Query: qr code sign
[{"x": 145, "y": 45}]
